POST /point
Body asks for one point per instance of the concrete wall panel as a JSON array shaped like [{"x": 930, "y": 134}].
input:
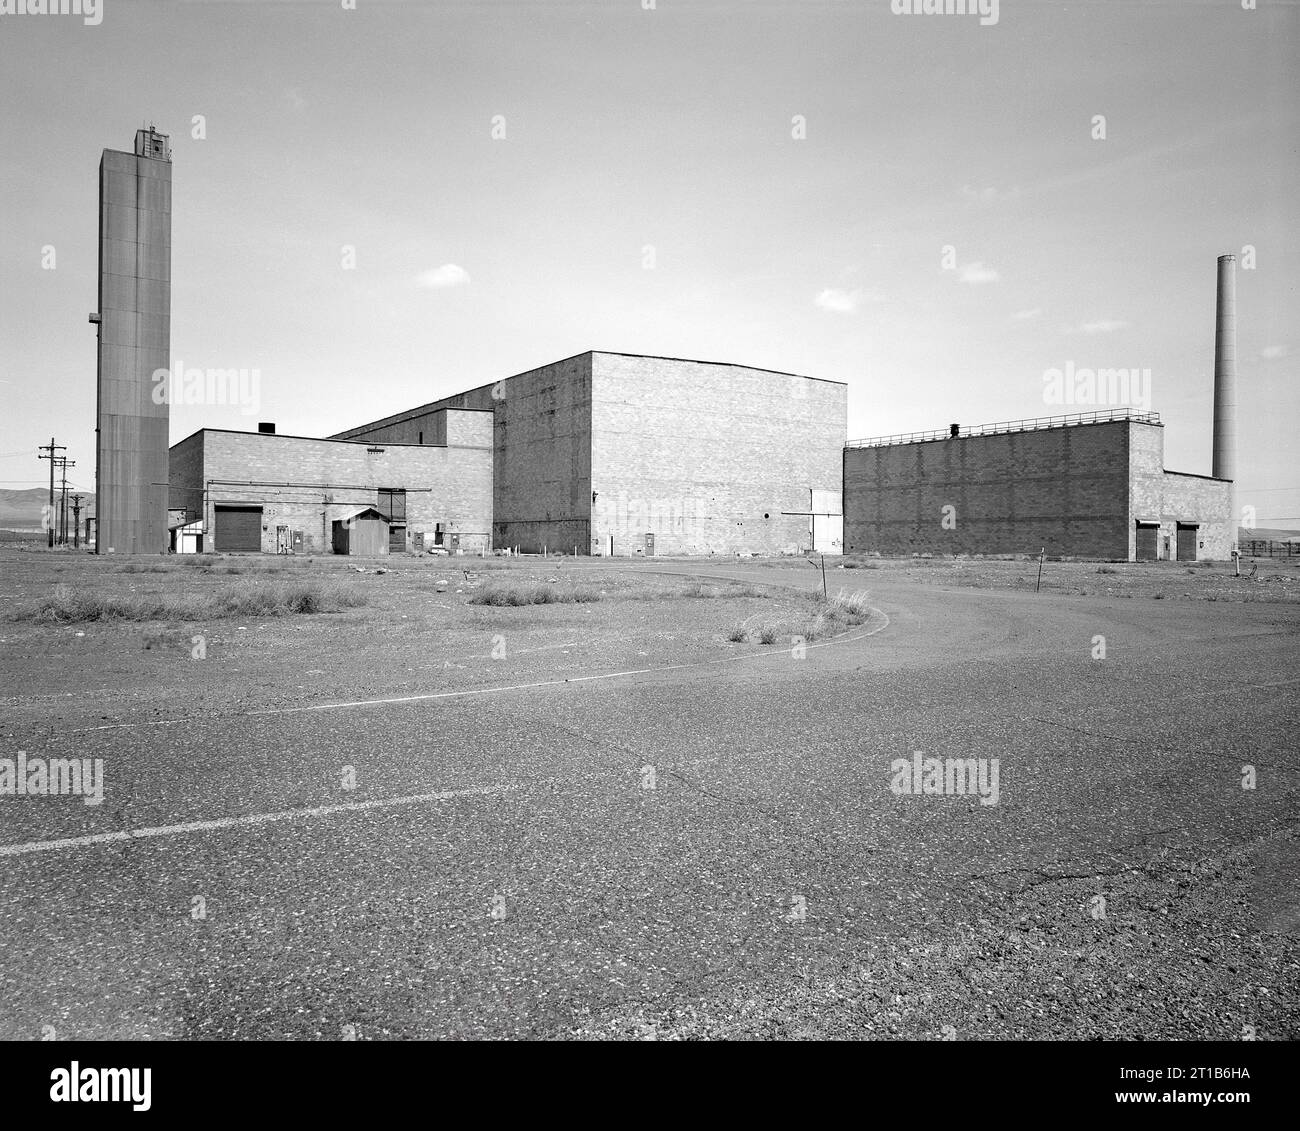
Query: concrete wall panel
[
  {"x": 1062, "y": 489},
  {"x": 706, "y": 457}
]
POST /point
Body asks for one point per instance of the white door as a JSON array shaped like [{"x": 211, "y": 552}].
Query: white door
[{"x": 827, "y": 521}]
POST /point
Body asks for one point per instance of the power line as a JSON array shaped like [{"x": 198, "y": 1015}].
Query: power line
[{"x": 51, "y": 447}]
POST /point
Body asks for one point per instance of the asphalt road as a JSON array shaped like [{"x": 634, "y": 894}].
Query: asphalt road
[{"x": 708, "y": 850}]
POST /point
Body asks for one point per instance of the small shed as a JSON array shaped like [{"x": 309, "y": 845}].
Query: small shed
[
  {"x": 361, "y": 532},
  {"x": 187, "y": 537}
]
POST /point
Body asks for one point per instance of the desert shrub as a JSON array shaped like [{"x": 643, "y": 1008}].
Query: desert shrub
[
  {"x": 504, "y": 596},
  {"x": 66, "y": 606}
]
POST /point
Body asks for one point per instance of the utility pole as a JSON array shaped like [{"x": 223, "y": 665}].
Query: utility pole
[
  {"x": 51, "y": 447},
  {"x": 76, "y": 521},
  {"x": 64, "y": 464}
]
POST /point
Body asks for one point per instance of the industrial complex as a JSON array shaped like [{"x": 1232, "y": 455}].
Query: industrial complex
[{"x": 618, "y": 454}]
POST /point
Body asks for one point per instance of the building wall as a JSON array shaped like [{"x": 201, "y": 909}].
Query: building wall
[
  {"x": 542, "y": 458},
  {"x": 706, "y": 457},
  {"x": 185, "y": 476},
  {"x": 1170, "y": 497},
  {"x": 1146, "y": 468},
  {"x": 305, "y": 484},
  {"x": 1060, "y": 489},
  {"x": 134, "y": 341},
  {"x": 541, "y": 451},
  {"x": 1204, "y": 501},
  {"x": 436, "y": 427}
]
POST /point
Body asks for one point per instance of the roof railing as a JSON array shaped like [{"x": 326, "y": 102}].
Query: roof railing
[{"x": 1032, "y": 424}]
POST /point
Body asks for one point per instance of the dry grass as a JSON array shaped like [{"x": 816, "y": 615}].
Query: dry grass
[
  {"x": 725, "y": 590},
  {"x": 504, "y": 596},
  {"x": 835, "y": 614},
  {"x": 252, "y": 599}
]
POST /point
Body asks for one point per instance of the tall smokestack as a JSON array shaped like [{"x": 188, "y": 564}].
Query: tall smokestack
[{"x": 1225, "y": 384}]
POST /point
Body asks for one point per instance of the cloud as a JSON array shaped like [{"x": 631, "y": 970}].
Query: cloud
[
  {"x": 448, "y": 275},
  {"x": 1026, "y": 315},
  {"x": 978, "y": 273},
  {"x": 988, "y": 194},
  {"x": 844, "y": 302},
  {"x": 1272, "y": 353},
  {"x": 1101, "y": 326}
]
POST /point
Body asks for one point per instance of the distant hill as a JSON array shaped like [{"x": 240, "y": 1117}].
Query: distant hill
[
  {"x": 21, "y": 509},
  {"x": 1267, "y": 534}
]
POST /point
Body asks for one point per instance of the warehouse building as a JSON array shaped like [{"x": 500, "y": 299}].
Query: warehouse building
[
  {"x": 1091, "y": 486},
  {"x": 624, "y": 455},
  {"x": 253, "y": 492},
  {"x": 597, "y": 454}
]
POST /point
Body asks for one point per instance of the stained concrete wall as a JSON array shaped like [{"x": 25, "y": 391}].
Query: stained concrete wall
[
  {"x": 541, "y": 451},
  {"x": 1168, "y": 498},
  {"x": 134, "y": 340},
  {"x": 542, "y": 458},
  {"x": 1062, "y": 489},
  {"x": 1205, "y": 502},
  {"x": 706, "y": 457},
  {"x": 306, "y": 483}
]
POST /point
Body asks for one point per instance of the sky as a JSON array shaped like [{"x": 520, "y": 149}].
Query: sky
[{"x": 381, "y": 205}]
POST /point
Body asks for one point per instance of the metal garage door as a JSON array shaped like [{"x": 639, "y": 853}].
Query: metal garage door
[
  {"x": 1146, "y": 541},
  {"x": 239, "y": 530},
  {"x": 1187, "y": 543}
]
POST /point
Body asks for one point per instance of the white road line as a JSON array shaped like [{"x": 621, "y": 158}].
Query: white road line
[
  {"x": 842, "y": 639},
  {"x": 250, "y": 819},
  {"x": 561, "y": 682}
]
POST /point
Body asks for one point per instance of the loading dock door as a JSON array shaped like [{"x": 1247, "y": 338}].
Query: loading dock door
[
  {"x": 239, "y": 530},
  {"x": 1146, "y": 541},
  {"x": 1186, "y": 543}
]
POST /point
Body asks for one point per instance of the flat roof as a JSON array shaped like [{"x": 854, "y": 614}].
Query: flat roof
[
  {"x": 1031, "y": 424},
  {"x": 731, "y": 364},
  {"x": 433, "y": 406},
  {"x": 321, "y": 439}
]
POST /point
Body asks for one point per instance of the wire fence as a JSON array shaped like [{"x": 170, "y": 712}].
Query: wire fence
[{"x": 1269, "y": 549}]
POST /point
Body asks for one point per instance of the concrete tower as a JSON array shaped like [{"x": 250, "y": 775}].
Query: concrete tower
[
  {"x": 135, "y": 291},
  {"x": 1225, "y": 384}
]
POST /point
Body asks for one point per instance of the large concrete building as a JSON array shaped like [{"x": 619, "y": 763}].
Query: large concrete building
[
  {"x": 1090, "y": 486},
  {"x": 1093, "y": 485},
  {"x": 256, "y": 492},
  {"x": 134, "y": 318},
  {"x": 600, "y": 453},
  {"x": 621, "y": 454}
]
